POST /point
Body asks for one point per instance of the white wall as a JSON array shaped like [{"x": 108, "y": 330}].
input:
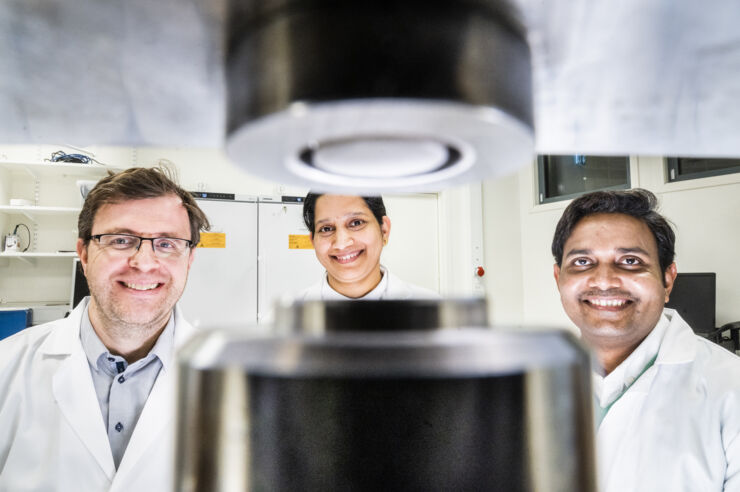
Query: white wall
[
  {"x": 210, "y": 170},
  {"x": 705, "y": 212},
  {"x": 502, "y": 236}
]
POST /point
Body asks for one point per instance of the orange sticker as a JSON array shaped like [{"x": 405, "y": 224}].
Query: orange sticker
[
  {"x": 212, "y": 240},
  {"x": 299, "y": 241}
]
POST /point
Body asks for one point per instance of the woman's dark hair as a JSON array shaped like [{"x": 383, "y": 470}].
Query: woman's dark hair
[
  {"x": 138, "y": 183},
  {"x": 638, "y": 203},
  {"x": 374, "y": 203}
]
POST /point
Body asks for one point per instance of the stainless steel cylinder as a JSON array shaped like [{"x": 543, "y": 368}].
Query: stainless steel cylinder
[
  {"x": 382, "y": 400},
  {"x": 319, "y": 317}
]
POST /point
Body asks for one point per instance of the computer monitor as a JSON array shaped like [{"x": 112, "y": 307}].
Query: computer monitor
[
  {"x": 79, "y": 284},
  {"x": 694, "y": 297}
]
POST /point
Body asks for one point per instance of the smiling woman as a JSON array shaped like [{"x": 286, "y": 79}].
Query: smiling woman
[{"x": 348, "y": 233}]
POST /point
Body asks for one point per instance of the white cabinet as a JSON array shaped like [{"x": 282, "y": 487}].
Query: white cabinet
[
  {"x": 46, "y": 198},
  {"x": 221, "y": 289}
]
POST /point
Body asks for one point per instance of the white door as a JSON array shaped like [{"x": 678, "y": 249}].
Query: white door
[
  {"x": 222, "y": 284},
  {"x": 412, "y": 253},
  {"x": 287, "y": 263}
]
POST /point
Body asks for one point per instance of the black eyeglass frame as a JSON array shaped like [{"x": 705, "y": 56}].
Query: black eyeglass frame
[{"x": 141, "y": 239}]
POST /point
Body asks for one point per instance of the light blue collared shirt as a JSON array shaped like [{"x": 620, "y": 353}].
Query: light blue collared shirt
[{"x": 122, "y": 388}]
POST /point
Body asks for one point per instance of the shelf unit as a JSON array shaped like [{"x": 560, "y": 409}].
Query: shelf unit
[
  {"x": 32, "y": 211},
  {"x": 38, "y": 170},
  {"x": 30, "y": 257},
  {"x": 44, "y": 171},
  {"x": 53, "y": 192}
]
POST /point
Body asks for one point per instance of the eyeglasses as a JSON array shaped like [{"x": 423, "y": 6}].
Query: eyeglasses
[{"x": 126, "y": 244}]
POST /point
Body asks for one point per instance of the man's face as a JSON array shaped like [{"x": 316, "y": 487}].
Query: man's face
[
  {"x": 610, "y": 281},
  {"x": 347, "y": 238},
  {"x": 136, "y": 288}
]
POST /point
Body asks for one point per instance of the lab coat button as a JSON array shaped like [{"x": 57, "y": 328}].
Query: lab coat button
[
  {"x": 121, "y": 379},
  {"x": 119, "y": 427}
]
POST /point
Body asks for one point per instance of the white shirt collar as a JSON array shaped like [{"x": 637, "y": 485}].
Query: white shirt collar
[
  {"x": 329, "y": 294},
  {"x": 163, "y": 348},
  {"x": 608, "y": 388}
]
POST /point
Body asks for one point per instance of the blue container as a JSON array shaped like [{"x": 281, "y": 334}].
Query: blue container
[{"x": 13, "y": 321}]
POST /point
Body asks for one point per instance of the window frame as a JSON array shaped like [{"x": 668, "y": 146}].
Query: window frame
[
  {"x": 542, "y": 186},
  {"x": 674, "y": 176}
]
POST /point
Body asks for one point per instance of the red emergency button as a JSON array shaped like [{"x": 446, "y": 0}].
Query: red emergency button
[{"x": 480, "y": 271}]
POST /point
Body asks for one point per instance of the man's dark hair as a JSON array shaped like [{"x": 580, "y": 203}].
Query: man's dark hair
[
  {"x": 638, "y": 203},
  {"x": 374, "y": 203},
  {"x": 137, "y": 183}
]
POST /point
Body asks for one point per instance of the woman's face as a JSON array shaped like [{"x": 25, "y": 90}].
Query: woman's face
[{"x": 348, "y": 241}]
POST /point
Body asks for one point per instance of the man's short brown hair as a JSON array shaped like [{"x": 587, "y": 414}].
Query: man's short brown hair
[{"x": 138, "y": 183}]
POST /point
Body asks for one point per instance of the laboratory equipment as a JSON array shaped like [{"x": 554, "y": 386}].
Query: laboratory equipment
[
  {"x": 380, "y": 395},
  {"x": 11, "y": 243}
]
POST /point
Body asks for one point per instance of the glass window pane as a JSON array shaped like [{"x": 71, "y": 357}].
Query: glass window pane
[
  {"x": 696, "y": 167},
  {"x": 566, "y": 176}
]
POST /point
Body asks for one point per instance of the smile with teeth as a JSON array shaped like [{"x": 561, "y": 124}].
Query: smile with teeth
[
  {"x": 349, "y": 257},
  {"x": 608, "y": 302},
  {"x": 141, "y": 286}
]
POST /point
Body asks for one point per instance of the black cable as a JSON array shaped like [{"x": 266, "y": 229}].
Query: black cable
[
  {"x": 61, "y": 156},
  {"x": 27, "y": 231}
]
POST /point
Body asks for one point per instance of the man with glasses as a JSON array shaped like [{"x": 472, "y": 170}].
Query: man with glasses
[{"x": 86, "y": 401}]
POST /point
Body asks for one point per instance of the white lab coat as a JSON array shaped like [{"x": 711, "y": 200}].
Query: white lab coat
[
  {"x": 677, "y": 428},
  {"x": 390, "y": 287},
  {"x": 52, "y": 435}
]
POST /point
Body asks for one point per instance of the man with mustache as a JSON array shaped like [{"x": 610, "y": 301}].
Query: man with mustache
[{"x": 667, "y": 402}]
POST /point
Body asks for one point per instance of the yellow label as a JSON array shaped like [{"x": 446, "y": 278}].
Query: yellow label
[
  {"x": 299, "y": 241},
  {"x": 212, "y": 240}
]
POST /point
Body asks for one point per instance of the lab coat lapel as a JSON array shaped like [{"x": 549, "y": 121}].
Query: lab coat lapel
[
  {"x": 154, "y": 419},
  {"x": 73, "y": 391},
  {"x": 680, "y": 342}
]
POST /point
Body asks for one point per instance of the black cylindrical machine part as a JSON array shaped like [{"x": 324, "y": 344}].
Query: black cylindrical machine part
[
  {"x": 428, "y": 407},
  {"x": 282, "y": 51},
  {"x": 388, "y": 433}
]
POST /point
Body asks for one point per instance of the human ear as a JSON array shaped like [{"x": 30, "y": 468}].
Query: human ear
[
  {"x": 669, "y": 276},
  {"x": 82, "y": 253},
  {"x": 385, "y": 229}
]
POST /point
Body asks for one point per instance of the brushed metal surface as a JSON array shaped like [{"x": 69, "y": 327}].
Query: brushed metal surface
[
  {"x": 422, "y": 409},
  {"x": 316, "y": 317}
]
